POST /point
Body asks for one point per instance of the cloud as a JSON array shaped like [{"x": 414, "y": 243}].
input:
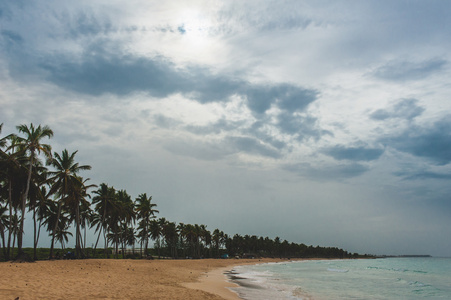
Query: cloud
[
  {"x": 304, "y": 126},
  {"x": 181, "y": 29},
  {"x": 85, "y": 23},
  {"x": 327, "y": 172},
  {"x": 353, "y": 153},
  {"x": 406, "y": 70},
  {"x": 220, "y": 148},
  {"x": 404, "y": 109},
  {"x": 11, "y": 38},
  {"x": 98, "y": 71},
  {"x": 423, "y": 175},
  {"x": 200, "y": 150},
  {"x": 251, "y": 145},
  {"x": 432, "y": 142}
]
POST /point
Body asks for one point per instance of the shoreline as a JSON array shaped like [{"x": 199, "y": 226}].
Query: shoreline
[
  {"x": 217, "y": 282},
  {"x": 121, "y": 279}
]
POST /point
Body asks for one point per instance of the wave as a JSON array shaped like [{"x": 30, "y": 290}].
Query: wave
[{"x": 338, "y": 270}]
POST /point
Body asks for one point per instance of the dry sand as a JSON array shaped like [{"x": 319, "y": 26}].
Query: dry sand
[{"x": 119, "y": 279}]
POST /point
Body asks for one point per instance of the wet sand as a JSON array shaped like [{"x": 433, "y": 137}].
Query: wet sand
[{"x": 120, "y": 279}]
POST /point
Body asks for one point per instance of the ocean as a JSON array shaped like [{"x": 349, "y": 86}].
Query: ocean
[{"x": 385, "y": 278}]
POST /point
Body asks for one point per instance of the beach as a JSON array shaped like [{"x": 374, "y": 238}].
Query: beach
[{"x": 120, "y": 279}]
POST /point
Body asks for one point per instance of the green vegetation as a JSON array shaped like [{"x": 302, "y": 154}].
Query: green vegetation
[{"x": 57, "y": 197}]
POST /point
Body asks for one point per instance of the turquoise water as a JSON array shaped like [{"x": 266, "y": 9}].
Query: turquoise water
[{"x": 389, "y": 278}]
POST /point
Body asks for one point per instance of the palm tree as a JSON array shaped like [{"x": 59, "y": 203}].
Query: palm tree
[
  {"x": 14, "y": 176},
  {"x": 86, "y": 217},
  {"x": 33, "y": 146},
  {"x": 131, "y": 239},
  {"x": 41, "y": 211},
  {"x": 190, "y": 233},
  {"x": 4, "y": 221},
  {"x": 104, "y": 202},
  {"x": 64, "y": 180},
  {"x": 181, "y": 233},
  {"x": 155, "y": 232},
  {"x": 126, "y": 215},
  {"x": 62, "y": 232},
  {"x": 35, "y": 197},
  {"x": 145, "y": 212},
  {"x": 171, "y": 237},
  {"x": 217, "y": 239},
  {"x": 76, "y": 199}
]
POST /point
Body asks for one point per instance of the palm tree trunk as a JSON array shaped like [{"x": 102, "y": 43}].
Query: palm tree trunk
[
  {"x": 39, "y": 233},
  {"x": 82, "y": 253},
  {"x": 24, "y": 202},
  {"x": 158, "y": 245},
  {"x": 105, "y": 230},
  {"x": 77, "y": 232},
  {"x": 14, "y": 239},
  {"x": 35, "y": 243},
  {"x": 97, "y": 241},
  {"x": 106, "y": 244},
  {"x": 10, "y": 200},
  {"x": 56, "y": 227},
  {"x": 3, "y": 243},
  {"x": 84, "y": 240}
]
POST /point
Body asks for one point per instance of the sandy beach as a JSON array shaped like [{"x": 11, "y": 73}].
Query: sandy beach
[{"x": 119, "y": 279}]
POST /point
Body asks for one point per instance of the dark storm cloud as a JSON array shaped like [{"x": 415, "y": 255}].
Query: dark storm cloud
[
  {"x": 405, "y": 109},
  {"x": 405, "y": 70},
  {"x": 432, "y": 142},
  {"x": 353, "y": 153},
  {"x": 331, "y": 172}
]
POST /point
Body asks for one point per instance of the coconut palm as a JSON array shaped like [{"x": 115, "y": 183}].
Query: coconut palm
[
  {"x": 41, "y": 211},
  {"x": 32, "y": 145},
  {"x": 4, "y": 221},
  {"x": 217, "y": 240},
  {"x": 125, "y": 215},
  {"x": 105, "y": 203},
  {"x": 62, "y": 232},
  {"x": 13, "y": 172},
  {"x": 64, "y": 181},
  {"x": 156, "y": 232},
  {"x": 145, "y": 212},
  {"x": 170, "y": 235},
  {"x": 76, "y": 199},
  {"x": 38, "y": 178}
]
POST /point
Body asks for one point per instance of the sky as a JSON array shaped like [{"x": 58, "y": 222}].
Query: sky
[{"x": 321, "y": 122}]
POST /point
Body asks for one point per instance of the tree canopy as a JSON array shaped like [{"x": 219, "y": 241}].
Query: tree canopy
[{"x": 59, "y": 198}]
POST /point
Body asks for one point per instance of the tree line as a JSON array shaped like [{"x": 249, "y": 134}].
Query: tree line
[{"x": 48, "y": 187}]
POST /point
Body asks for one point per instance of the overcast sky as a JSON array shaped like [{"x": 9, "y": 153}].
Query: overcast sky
[{"x": 321, "y": 122}]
